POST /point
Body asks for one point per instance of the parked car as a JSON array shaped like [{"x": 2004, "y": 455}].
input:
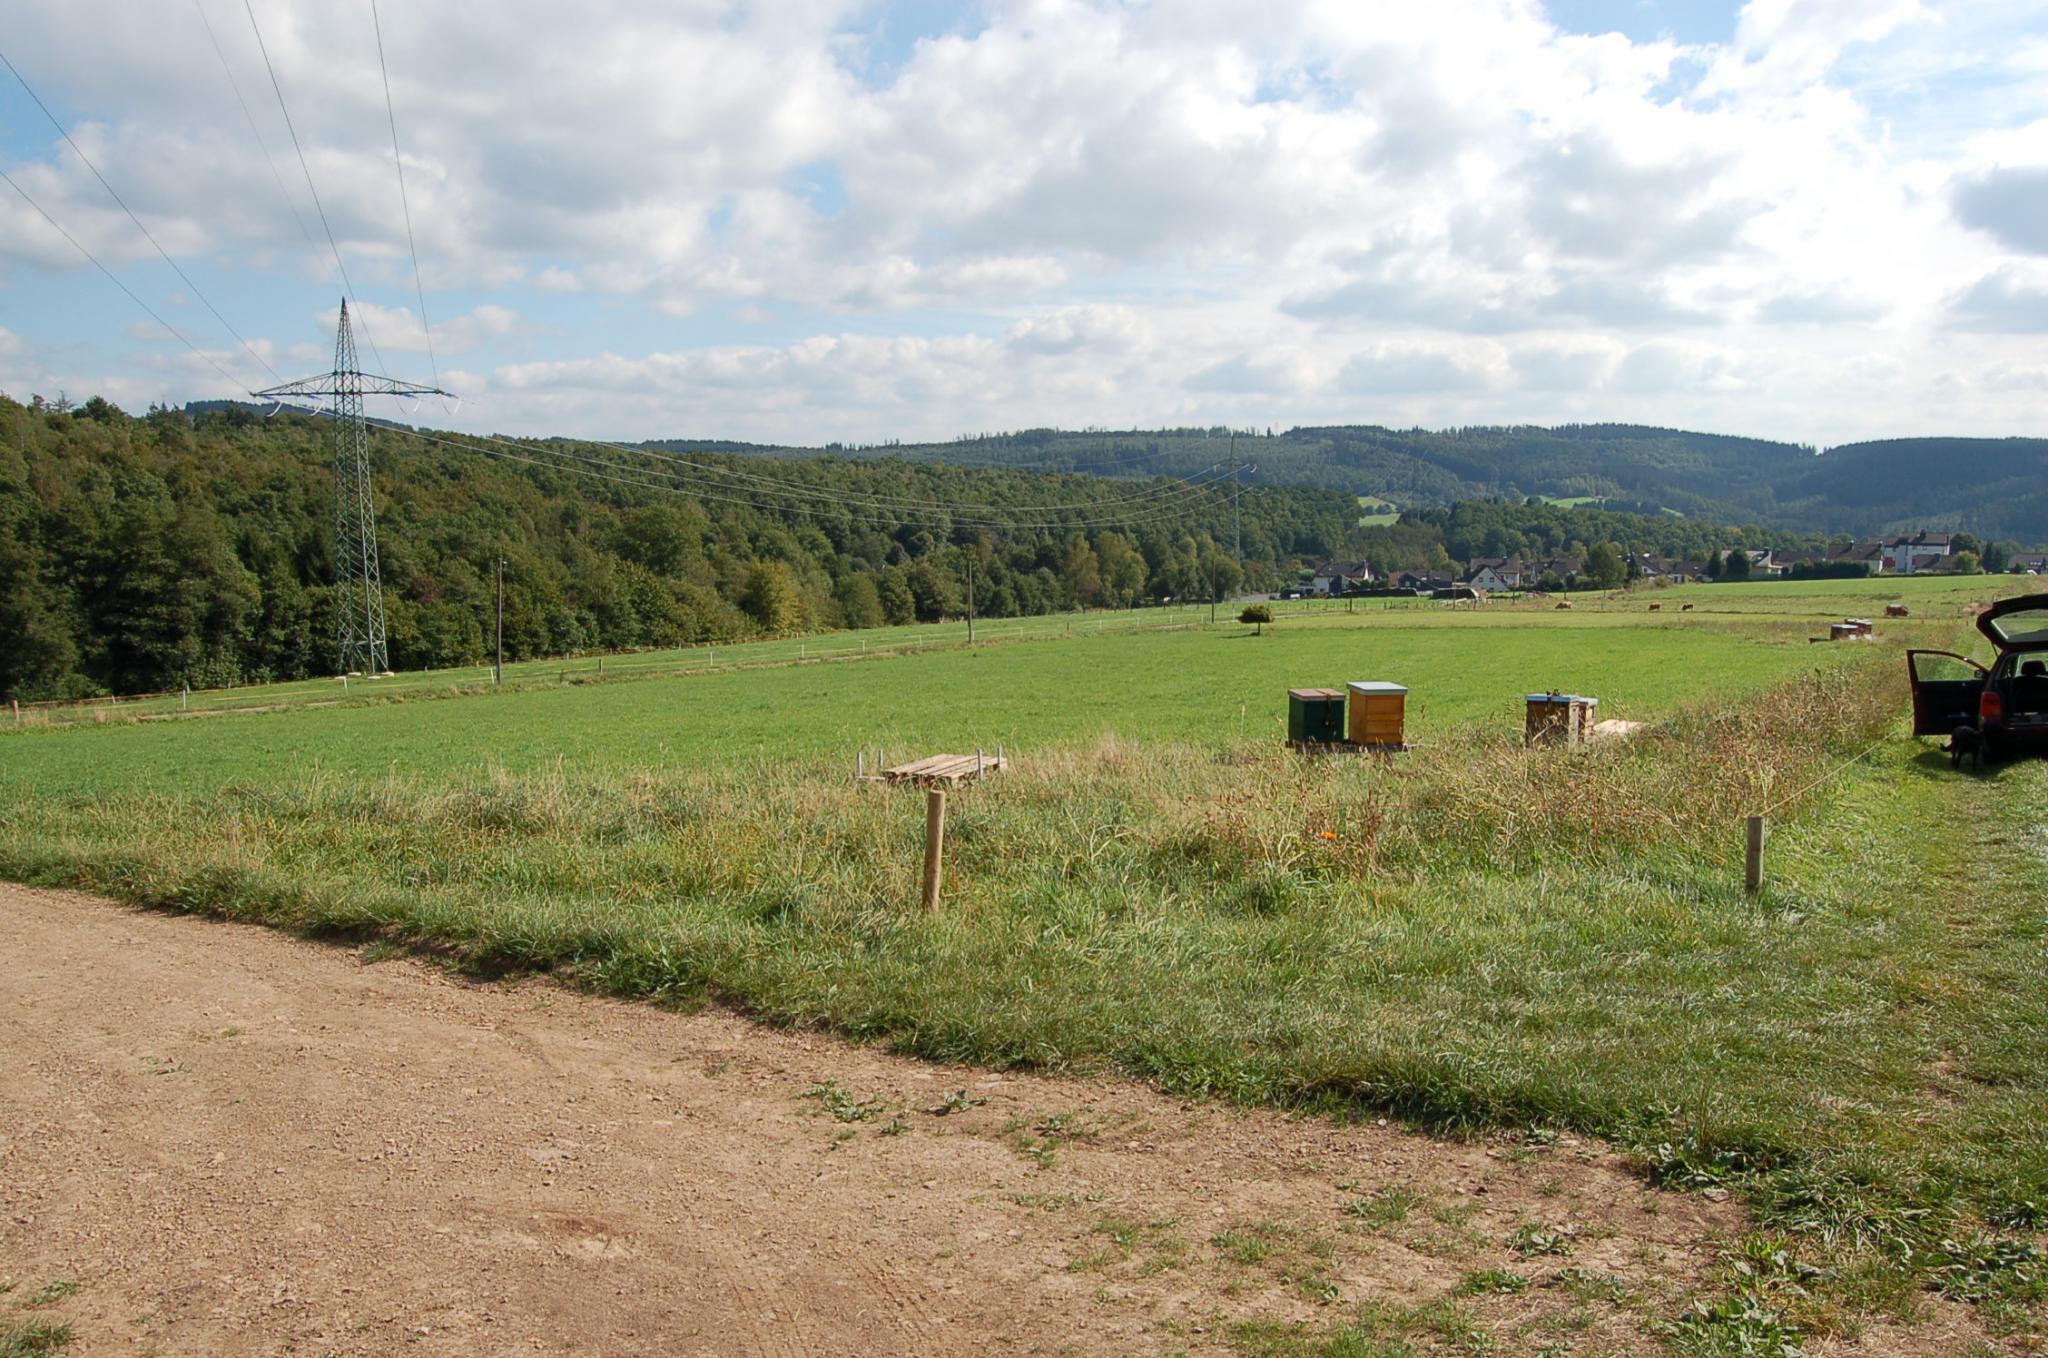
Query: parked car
[{"x": 1993, "y": 712}]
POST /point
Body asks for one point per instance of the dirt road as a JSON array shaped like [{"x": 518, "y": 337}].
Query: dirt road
[{"x": 234, "y": 1142}]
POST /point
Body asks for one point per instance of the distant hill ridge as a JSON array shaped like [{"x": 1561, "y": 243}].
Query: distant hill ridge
[{"x": 1995, "y": 488}]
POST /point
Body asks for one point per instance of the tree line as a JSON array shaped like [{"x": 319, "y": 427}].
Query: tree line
[
  {"x": 1997, "y": 488},
  {"x": 141, "y": 553}
]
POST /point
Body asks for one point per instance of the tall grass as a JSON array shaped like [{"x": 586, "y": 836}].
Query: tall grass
[
  {"x": 1471, "y": 935},
  {"x": 1232, "y": 918}
]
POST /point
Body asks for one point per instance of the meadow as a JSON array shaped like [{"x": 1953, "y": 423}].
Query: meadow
[{"x": 1473, "y": 936}]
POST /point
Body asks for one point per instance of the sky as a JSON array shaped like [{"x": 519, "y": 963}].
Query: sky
[{"x": 815, "y": 221}]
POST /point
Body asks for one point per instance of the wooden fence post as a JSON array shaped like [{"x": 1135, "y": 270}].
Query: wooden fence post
[
  {"x": 1753, "y": 857},
  {"x": 934, "y": 845}
]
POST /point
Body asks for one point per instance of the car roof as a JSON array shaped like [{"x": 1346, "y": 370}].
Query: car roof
[{"x": 2017, "y": 624}]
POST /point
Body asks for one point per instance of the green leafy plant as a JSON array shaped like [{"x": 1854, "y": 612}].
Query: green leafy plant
[
  {"x": 842, "y": 1105},
  {"x": 34, "y": 1339}
]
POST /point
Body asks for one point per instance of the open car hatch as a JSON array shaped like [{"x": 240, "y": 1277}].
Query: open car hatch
[{"x": 2016, "y": 624}]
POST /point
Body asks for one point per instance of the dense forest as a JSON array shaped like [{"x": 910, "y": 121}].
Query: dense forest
[
  {"x": 194, "y": 546},
  {"x": 1995, "y": 488},
  {"x": 141, "y": 553},
  {"x": 1990, "y": 487}
]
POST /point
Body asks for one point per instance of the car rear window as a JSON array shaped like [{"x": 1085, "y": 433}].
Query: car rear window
[{"x": 2027, "y": 627}]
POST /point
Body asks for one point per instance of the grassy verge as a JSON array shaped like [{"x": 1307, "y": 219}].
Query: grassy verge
[
  {"x": 1472, "y": 936},
  {"x": 33, "y": 1339}
]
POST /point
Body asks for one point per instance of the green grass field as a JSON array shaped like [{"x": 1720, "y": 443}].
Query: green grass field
[
  {"x": 1375, "y": 512},
  {"x": 1597, "y": 501},
  {"x": 1472, "y": 936},
  {"x": 1206, "y": 685}
]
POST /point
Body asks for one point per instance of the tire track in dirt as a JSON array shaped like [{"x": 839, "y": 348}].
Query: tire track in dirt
[{"x": 239, "y": 1143}]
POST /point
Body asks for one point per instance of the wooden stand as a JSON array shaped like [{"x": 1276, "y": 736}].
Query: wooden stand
[
  {"x": 946, "y": 768},
  {"x": 934, "y": 846},
  {"x": 1753, "y": 855}
]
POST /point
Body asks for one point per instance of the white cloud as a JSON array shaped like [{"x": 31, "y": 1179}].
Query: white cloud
[
  {"x": 400, "y": 329},
  {"x": 643, "y": 215},
  {"x": 2011, "y": 300},
  {"x": 1400, "y": 369}
]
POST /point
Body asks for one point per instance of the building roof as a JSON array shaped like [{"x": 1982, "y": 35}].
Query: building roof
[{"x": 1501, "y": 568}]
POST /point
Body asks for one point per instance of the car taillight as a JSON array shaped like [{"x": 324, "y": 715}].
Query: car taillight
[{"x": 1991, "y": 707}]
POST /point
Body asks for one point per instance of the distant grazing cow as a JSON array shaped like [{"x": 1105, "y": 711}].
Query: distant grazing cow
[
  {"x": 1686, "y": 609},
  {"x": 1655, "y": 607},
  {"x": 1896, "y": 611}
]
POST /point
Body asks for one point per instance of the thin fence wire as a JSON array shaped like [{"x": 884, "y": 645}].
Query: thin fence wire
[{"x": 664, "y": 662}]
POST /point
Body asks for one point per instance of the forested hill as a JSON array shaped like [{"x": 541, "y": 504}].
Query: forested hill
[
  {"x": 1991, "y": 487},
  {"x": 141, "y": 553},
  {"x": 1995, "y": 488},
  {"x": 1630, "y": 465}
]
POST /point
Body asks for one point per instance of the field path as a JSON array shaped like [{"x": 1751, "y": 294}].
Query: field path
[{"x": 237, "y": 1142}]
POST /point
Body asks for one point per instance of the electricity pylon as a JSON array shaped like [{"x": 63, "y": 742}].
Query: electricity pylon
[{"x": 358, "y": 591}]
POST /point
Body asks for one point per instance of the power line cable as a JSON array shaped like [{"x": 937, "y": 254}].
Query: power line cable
[
  {"x": 175, "y": 268},
  {"x": 255, "y": 131},
  {"x": 325, "y": 225},
  {"x": 1079, "y": 460},
  {"x": 904, "y": 505},
  {"x": 940, "y": 454},
  {"x": 93, "y": 259},
  {"x": 602, "y": 470},
  {"x": 1151, "y": 493},
  {"x": 419, "y": 289},
  {"x": 967, "y": 515},
  {"x": 718, "y": 473}
]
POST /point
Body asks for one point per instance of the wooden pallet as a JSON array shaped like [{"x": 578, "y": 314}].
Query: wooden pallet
[
  {"x": 1350, "y": 747},
  {"x": 945, "y": 768}
]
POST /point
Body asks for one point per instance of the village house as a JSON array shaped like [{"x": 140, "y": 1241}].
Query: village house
[
  {"x": 1334, "y": 577},
  {"x": 1663, "y": 568},
  {"x": 1494, "y": 574},
  {"x": 1920, "y": 552},
  {"x": 1767, "y": 562},
  {"x": 2031, "y": 563},
  {"x": 1563, "y": 568},
  {"x": 1869, "y": 555}
]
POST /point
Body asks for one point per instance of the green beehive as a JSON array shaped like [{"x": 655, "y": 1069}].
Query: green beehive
[{"x": 1315, "y": 716}]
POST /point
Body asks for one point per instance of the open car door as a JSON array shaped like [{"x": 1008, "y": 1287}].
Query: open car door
[{"x": 1946, "y": 687}]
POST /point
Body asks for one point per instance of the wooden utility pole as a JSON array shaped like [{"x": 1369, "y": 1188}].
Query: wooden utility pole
[
  {"x": 970, "y": 596},
  {"x": 934, "y": 846},
  {"x": 498, "y": 669}
]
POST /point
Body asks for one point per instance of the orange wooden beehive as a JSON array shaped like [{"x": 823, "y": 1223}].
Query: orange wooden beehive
[{"x": 1378, "y": 712}]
